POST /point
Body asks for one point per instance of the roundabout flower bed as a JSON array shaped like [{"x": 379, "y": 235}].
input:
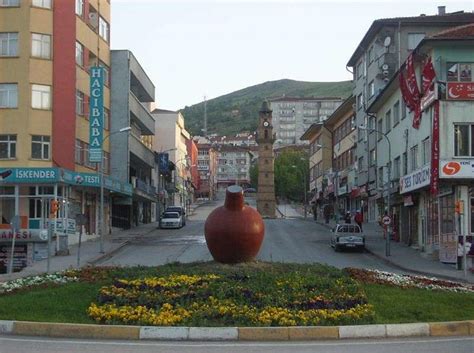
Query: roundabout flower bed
[{"x": 260, "y": 299}]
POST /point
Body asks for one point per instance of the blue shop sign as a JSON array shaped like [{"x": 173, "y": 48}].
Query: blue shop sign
[
  {"x": 29, "y": 175},
  {"x": 83, "y": 179}
]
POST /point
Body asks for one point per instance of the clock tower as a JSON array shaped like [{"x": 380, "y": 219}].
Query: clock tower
[{"x": 266, "y": 204}]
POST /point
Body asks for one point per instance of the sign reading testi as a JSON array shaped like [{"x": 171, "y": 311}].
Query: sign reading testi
[{"x": 96, "y": 119}]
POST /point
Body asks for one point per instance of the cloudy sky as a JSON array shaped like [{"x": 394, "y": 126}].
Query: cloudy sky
[{"x": 195, "y": 48}]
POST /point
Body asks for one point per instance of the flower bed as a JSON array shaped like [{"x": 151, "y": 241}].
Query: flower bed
[
  {"x": 260, "y": 299},
  {"x": 407, "y": 281},
  {"x": 27, "y": 282}
]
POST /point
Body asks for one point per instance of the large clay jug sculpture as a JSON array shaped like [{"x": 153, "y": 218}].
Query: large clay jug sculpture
[{"x": 234, "y": 232}]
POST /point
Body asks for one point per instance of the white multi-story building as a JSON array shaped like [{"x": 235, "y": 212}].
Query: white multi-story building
[
  {"x": 292, "y": 116},
  {"x": 233, "y": 166}
]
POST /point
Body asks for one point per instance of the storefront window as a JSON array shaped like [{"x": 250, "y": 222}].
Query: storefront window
[
  {"x": 432, "y": 224},
  {"x": 447, "y": 214}
]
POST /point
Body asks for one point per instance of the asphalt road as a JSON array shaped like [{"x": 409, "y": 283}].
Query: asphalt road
[
  {"x": 17, "y": 344},
  {"x": 286, "y": 240}
]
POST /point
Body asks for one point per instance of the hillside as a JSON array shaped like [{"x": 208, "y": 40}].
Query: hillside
[{"x": 238, "y": 111}]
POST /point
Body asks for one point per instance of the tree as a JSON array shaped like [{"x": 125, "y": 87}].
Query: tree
[{"x": 291, "y": 171}]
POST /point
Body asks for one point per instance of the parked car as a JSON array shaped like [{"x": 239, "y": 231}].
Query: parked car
[
  {"x": 171, "y": 220},
  {"x": 178, "y": 209},
  {"x": 347, "y": 236}
]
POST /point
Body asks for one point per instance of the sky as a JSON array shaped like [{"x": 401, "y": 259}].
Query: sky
[{"x": 192, "y": 49}]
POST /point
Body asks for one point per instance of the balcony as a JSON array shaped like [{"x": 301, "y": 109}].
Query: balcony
[
  {"x": 144, "y": 187},
  {"x": 141, "y": 151},
  {"x": 202, "y": 167},
  {"x": 142, "y": 116}
]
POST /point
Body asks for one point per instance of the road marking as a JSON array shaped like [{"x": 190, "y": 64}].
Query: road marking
[{"x": 240, "y": 343}]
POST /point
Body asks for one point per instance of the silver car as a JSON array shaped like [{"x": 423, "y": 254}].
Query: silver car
[
  {"x": 348, "y": 236},
  {"x": 171, "y": 220}
]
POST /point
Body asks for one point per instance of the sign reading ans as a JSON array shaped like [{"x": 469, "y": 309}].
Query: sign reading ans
[
  {"x": 459, "y": 168},
  {"x": 96, "y": 111},
  {"x": 418, "y": 179},
  {"x": 460, "y": 91}
]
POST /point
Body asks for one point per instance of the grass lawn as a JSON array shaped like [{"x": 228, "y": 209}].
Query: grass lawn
[{"x": 253, "y": 294}]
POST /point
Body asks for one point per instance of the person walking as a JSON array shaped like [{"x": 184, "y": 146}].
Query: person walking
[
  {"x": 358, "y": 218},
  {"x": 314, "y": 207},
  {"x": 347, "y": 217}
]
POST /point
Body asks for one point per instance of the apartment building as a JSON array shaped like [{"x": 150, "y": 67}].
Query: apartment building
[
  {"x": 292, "y": 116},
  {"x": 206, "y": 165},
  {"x": 233, "y": 166},
  {"x": 382, "y": 50},
  {"x": 46, "y": 56},
  {"x": 431, "y": 155},
  {"x": 133, "y": 158}
]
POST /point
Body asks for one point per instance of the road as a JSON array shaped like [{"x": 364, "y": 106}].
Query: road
[
  {"x": 11, "y": 344},
  {"x": 286, "y": 240}
]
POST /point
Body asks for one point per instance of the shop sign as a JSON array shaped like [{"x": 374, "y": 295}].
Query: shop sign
[
  {"x": 460, "y": 90},
  {"x": 84, "y": 179},
  {"x": 29, "y": 175},
  {"x": 418, "y": 179},
  {"x": 24, "y": 235},
  {"x": 71, "y": 225},
  {"x": 448, "y": 248},
  {"x": 20, "y": 259},
  {"x": 342, "y": 190},
  {"x": 459, "y": 168},
  {"x": 96, "y": 111}
]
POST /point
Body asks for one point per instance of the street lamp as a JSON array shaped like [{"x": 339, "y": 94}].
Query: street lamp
[
  {"x": 101, "y": 171},
  {"x": 389, "y": 172},
  {"x": 158, "y": 207}
]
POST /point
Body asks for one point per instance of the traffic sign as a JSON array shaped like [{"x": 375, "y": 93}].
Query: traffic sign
[{"x": 386, "y": 220}]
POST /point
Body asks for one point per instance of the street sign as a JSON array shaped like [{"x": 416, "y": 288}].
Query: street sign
[{"x": 386, "y": 220}]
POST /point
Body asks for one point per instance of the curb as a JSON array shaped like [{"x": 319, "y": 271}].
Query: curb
[{"x": 310, "y": 333}]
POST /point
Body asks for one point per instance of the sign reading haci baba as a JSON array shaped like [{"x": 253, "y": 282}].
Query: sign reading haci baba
[{"x": 96, "y": 114}]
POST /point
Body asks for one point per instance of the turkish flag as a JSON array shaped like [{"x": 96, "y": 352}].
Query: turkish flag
[
  {"x": 428, "y": 75},
  {"x": 412, "y": 85}
]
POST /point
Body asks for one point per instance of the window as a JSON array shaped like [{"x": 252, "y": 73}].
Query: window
[
  {"x": 103, "y": 29},
  {"x": 79, "y": 54},
  {"x": 359, "y": 70},
  {"x": 79, "y": 7},
  {"x": 379, "y": 129},
  {"x": 372, "y": 157},
  {"x": 371, "y": 54},
  {"x": 41, "y": 97},
  {"x": 396, "y": 168},
  {"x": 9, "y": 3},
  {"x": 388, "y": 121},
  {"x": 404, "y": 109},
  {"x": 414, "y": 39},
  {"x": 460, "y": 72},
  {"x": 79, "y": 103},
  {"x": 41, "y": 45},
  {"x": 463, "y": 140},
  {"x": 40, "y": 147},
  {"x": 9, "y": 44},
  {"x": 405, "y": 163},
  {"x": 426, "y": 151},
  {"x": 42, "y": 3},
  {"x": 414, "y": 158},
  {"x": 396, "y": 113},
  {"x": 8, "y": 95},
  {"x": 360, "y": 101},
  {"x": 371, "y": 89},
  {"x": 360, "y": 164},
  {"x": 7, "y": 146},
  {"x": 106, "y": 73},
  {"x": 79, "y": 152},
  {"x": 380, "y": 177}
]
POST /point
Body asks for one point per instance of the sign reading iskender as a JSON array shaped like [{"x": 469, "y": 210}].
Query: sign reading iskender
[{"x": 459, "y": 168}]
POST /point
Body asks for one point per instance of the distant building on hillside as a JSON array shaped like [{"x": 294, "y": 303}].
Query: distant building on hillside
[{"x": 292, "y": 116}]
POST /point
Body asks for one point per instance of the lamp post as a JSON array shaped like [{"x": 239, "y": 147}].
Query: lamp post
[
  {"x": 101, "y": 171},
  {"x": 158, "y": 207},
  {"x": 389, "y": 172}
]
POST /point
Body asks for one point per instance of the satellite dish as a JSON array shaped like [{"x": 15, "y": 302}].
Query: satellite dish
[
  {"x": 385, "y": 66},
  {"x": 387, "y": 41}
]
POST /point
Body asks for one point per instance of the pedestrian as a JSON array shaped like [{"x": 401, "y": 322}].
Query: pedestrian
[
  {"x": 347, "y": 217},
  {"x": 314, "y": 207},
  {"x": 327, "y": 213},
  {"x": 358, "y": 218}
]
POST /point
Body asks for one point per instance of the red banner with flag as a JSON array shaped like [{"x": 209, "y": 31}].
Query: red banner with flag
[
  {"x": 434, "y": 184},
  {"x": 410, "y": 92},
  {"x": 428, "y": 76}
]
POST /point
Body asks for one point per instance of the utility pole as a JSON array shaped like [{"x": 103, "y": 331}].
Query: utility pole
[{"x": 205, "y": 117}]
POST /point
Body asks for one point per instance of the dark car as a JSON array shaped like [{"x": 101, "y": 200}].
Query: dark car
[{"x": 178, "y": 209}]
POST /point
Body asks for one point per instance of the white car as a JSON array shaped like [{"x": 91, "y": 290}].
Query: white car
[
  {"x": 171, "y": 220},
  {"x": 348, "y": 236}
]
